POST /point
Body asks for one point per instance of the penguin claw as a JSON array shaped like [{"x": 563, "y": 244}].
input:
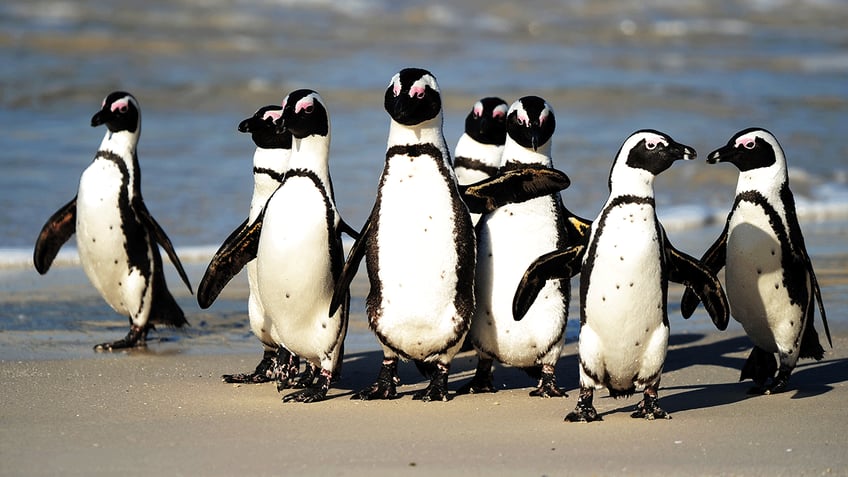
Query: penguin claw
[
  {"x": 437, "y": 390},
  {"x": 314, "y": 393},
  {"x": 649, "y": 410},
  {"x": 385, "y": 387},
  {"x": 476, "y": 387},
  {"x": 547, "y": 387},
  {"x": 264, "y": 372}
]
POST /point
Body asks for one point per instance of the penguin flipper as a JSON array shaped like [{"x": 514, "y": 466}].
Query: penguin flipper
[
  {"x": 559, "y": 264},
  {"x": 55, "y": 232},
  {"x": 815, "y": 284},
  {"x": 702, "y": 282},
  {"x": 239, "y": 248},
  {"x": 163, "y": 240},
  {"x": 344, "y": 227},
  {"x": 577, "y": 228},
  {"x": 351, "y": 266},
  {"x": 713, "y": 259},
  {"x": 515, "y": 185}
]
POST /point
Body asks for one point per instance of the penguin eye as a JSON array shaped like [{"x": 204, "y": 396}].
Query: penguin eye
[
  {"x": 650, "y": 145},
  {"x": 749, "y": 144},
  {"x": 122, "y": 109},
  {"x": 309, "y": 109},
  {"x": 419, "y": 95}
]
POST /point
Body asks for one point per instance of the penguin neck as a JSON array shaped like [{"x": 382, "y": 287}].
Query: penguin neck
[
  {"x": 514, "y": 152},
  {"x": 275, "y": 161},
  {"x": 269, "y": 166},
  {"x": 767, "y": 181},
  {"x": 635, "y": 182},
  {"x": 312, "y": 153},
  {"x": 121, "y": 143},
  {"x": 422, "y": 133}
]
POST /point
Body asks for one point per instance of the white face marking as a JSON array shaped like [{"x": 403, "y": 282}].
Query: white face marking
[
  {"x": 478, "y": 109},
  {"x": 500, "y": 111},
  {"x": 306, "y": 104},
  {"x": 653, "y": 140},
  {"x": 418, "y": 88},
  {"x": 395, "y": 82},
  {"x": 544, "y": 115}
]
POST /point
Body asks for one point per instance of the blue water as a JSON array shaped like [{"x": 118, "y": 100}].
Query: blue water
[{"x": 699, "y": 71}]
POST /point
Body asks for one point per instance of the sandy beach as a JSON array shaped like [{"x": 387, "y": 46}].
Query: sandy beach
[{"x": 165, "y": 412}]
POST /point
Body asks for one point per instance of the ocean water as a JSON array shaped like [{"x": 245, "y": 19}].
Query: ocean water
[{"x": 698, "y": 71}]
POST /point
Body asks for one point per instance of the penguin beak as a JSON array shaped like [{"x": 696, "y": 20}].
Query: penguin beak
[
  {"x": 723, "y": 154},
  {"x": 100, "y": 117},
  {"x": 534, "y": 140},
  {"x": 685, "y": 152}
]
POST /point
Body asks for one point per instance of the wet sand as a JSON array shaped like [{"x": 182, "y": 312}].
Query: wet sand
[{"x": 165, "y": 412}]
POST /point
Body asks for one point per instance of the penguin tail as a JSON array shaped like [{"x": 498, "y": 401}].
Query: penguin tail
[
  {"x": 810, "y": 345},
  {"x": 165, "y": 310}
]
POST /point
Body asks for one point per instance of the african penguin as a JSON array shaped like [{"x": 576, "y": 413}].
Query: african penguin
[
  {"x": 418, "y": 243},
  {"x": 270, "y": 162},
  {"x": 478, "y": 151},
  {"x": 624, "y": 273},
  {"x": 769, "y": 276},
  {"x": 296, "y": 241},
  {"x": 116, "y": 235},
  {"x": 508, "y": 240}
]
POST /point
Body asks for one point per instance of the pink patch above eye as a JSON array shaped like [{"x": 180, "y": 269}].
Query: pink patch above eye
[
  {"x": 746, "y": 142},
  {"x": 396, "y": 89},
  {"x": 498, "y": 113},
  {"x": 305, "y": 103},
  {"x": 120, "y": 105},
  {"x": 273, "y": 115},
  {"x": 417, "y": 91},
  {"x": 478, "y": 110}
]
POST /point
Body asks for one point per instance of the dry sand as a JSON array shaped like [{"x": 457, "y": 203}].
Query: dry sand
[{"x": 166, "y": 412}]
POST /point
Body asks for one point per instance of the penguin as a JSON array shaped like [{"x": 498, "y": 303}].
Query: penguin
[
  {"x": 418, "y": 243},
  {"x": 116, "y": 235},
  {"x": 296, "y": 241},
  {"x": 478, "y": 151},
  {"x": 770, "y": 281},
  {"x": 508, "y": 240},
  {"x": 270, "y": 162},
  {"x": 624, "y": 272}
]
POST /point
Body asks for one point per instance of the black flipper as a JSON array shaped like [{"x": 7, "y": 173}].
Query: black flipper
[
  {"x": 351, "y": 266},
  {"x": 516, "y": 185},
  {"x": 163, "y": 240},
  {"x": 688, "y": 271},
  {"x": 577, "y": 228},
  {"x": 714, "y": 260},
  {"x": 344, "y": 227},
  {"x": 559, "y": 264},
  {"x": 239, "y": 248},
  {"x": 56, "y": 231}
]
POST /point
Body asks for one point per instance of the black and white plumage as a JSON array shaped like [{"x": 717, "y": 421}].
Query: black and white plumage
[
  {"x": 270, "y": 162},
  {"x": 769, "y": 276},
  {"x": 624, "y": 273},
  {"x": 296, "y": 241},
  {"x": 418, "y": 244},
  {"x": 509, "y": 238},
  {"x": 116, "y": 235}
]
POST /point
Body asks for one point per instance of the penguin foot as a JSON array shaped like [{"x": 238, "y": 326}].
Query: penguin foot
[
  {"x": 437, "y": 390},
  {"x": 482, "y": 382},
  {"x": 307, "y": 377},
  {"x": 779, "y": 383},
  {"x": 547, "y": 384},
  {"x": 136, "y": 338},
  {"x": 263, "y": 373},
  {"x": 584, "y": 411},
  {"x": 648, "y": 408},
  {"x": 759, "y": 367},
  {"x": 314, "y": 393},
  {"x": 386, "y": 385},
  {"x": 288, "y": 365}
]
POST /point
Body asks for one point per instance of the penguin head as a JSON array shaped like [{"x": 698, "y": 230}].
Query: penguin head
[
  {"x": 649, "y": 151},
  {"x": 486, "y": 123},
  {"x": 119, "y": 112},
  {"x": 304, "y": 114},
  {"x": 413, "y": 97},
  {"x": 263, "y": 128},
  {"x": 531, "y": 123},
  {"x": 752, "y": 148}
]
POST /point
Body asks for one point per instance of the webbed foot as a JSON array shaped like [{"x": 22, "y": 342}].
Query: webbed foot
[
  {"x": 314, "y": 393},
  {"x": 136, "y": 338},
  {"x": 482, "y": 382},
  {"x": 437, "y": 390},
  {"x": 780, "y": 382},
  {"x": 584, "y": 411},
  {"x": 547, "y": 384},
  {"x": 263, "y": 373},
  {"x": 648, "y": 408},
  {"x": 288, "y": 365},
  {"x": 307, "y": 377},
  {"x": 386, "y": 385}
]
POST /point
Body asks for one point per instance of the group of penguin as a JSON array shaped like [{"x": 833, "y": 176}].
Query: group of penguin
[{"x": 479, "y": 248}]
